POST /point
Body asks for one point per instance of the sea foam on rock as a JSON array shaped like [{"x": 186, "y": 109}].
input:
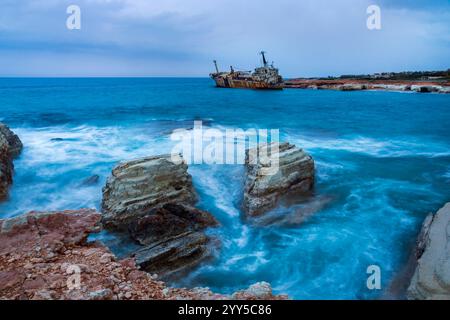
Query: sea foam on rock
[
  {"x": 152, "y": 199},
  {"x": 431, "y": 279},
  {"x": 290, "y": 170},
  {"x": 10, "y": 147}
]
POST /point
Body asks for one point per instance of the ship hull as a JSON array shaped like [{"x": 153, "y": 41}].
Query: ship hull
[{"x": 223, "y": 82}]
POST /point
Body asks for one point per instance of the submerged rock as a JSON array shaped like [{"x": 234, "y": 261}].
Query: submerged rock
[
  {"x": 273, "y": 171},
  {"x": 137, "y": 186},
  {"x": 10, "y": 147},
  {"x": 92, "y": 180},
  {"x": 431, "y": 279},
  {"x": 151, "y": 199},
  {"x": 42, "y": 255}
]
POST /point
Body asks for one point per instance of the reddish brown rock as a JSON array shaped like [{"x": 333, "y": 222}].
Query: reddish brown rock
[{"x": 42, "y": 253}]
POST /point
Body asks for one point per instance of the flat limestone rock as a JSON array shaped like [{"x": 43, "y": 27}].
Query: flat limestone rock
[
  {"x": 137, "y": 186},
  {"x": 288, "y": 170},
  {"x": 431, "y": 279}
]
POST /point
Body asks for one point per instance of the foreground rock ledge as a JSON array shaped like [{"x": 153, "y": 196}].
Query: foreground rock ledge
[
  {"x": 293, "y": 174},
  {"x": 151, "y": 199},
  {"x": 40, "y": 253},
  {"x": 10, "y": 147},
  {"x": 431, "y": 279}
]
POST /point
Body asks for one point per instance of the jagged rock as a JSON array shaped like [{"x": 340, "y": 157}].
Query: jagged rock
[
  {"x": 6, "y": 168},
  {"x": 26, "y": 274},
  {"x": 288, "y": 170},
  {"x": 10, "y": 147},
  {"x": 151, "y": 199},
  {"x": 137, "y": 186},
  {"x": 14, "y": 144},
  {"x": 169, "y": 220},
  {"x": 431, "y": 279},
  {"x": 174, "y": 254},
  {"x": 172, "y": 238}
]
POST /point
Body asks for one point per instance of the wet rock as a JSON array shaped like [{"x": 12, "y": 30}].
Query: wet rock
[
  {"x": 168, "y": 221},
  {"x": 137, "y": 186},
  {"x": 174, "y": 254},
  {"x": 151, "y": 199},
  {"x": 14, "y": 144},
  {"x": 92, "y": 180},
  {"x": 431, "y": 279},
  {"x": 274, "y": 171},
  {"x": 10, "y": 147}
]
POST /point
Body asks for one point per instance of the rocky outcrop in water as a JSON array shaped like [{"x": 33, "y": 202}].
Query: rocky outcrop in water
[
  {"x": 264, "y": 186},
  {"x": 431, "y": 279},
  {"x": 42, "y": 254},
  {"x": 138, "y": 186},
  {"x": 151, "y": 199},
  {"x": 10, "y": 147}
]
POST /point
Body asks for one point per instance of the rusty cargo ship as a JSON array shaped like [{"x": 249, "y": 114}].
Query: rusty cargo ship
[{"x": 265, "y": 77}]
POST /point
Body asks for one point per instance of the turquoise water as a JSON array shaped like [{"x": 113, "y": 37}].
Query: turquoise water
[{"x": 383, "y": 163}]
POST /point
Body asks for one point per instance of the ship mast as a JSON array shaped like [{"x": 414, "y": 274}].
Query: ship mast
[
  {"x": 264, "y": 58},
  {"x": 215, "y": 64}
]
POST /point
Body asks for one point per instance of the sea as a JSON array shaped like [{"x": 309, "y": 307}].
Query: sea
[{"x": 382, "y": 164}]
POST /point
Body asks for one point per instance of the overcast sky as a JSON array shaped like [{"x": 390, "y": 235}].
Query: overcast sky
[{"x": 182, "y": 37}]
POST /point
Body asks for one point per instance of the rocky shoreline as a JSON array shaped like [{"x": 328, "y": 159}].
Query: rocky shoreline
[
  {"x": 46, "y": 256},
  {"x": 361, "y": 84}
]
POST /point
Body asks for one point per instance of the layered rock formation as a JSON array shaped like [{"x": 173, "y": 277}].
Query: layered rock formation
[
  {"x": 431, "y": 279},
  {"x": 273, "y": 171},
  {"x": 151, "y": 199},
  {"x": 137, "y": 186},
  {"x": 10, "y": 147},
  {"x": 46, "y": 256}
]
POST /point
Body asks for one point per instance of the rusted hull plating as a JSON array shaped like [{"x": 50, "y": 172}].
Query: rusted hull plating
[{"x": 225, "y": 82}]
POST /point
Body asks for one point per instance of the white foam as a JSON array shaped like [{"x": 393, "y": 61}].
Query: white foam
[{"x": 377, "y": 148}]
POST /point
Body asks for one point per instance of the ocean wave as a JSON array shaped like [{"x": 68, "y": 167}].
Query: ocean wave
[{"x": 374, "y": 147}]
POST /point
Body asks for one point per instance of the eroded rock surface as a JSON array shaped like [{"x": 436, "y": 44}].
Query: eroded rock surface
[
  {"x": 431, "y": 279},
  {"x": 151, "y": 199},
  {"x": 10, "y": 147},
  {"x": 41, "y": 253},
  {"x": 289, "y": 170},
  {"x": 137, "y": 186}
]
